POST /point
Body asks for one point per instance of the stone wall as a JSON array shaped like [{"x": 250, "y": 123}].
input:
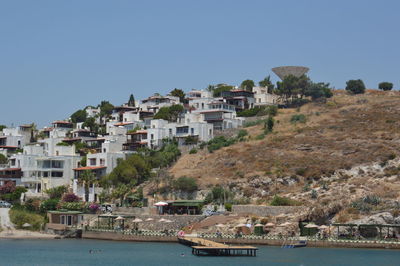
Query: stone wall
[{"x": 266, "y": 210}]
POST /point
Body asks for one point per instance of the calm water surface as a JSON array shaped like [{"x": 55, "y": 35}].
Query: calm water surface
[{"x": 76, "y": 252}]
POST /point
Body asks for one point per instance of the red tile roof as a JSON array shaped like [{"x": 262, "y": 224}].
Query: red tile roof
[
  {"x": 9, "y": 147},
  {"x": 88, "y": 168}
]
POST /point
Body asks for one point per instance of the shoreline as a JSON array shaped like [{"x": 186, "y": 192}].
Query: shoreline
[
  {"x": 244, "y": 241},
  {"x": 26, "y": 234}
]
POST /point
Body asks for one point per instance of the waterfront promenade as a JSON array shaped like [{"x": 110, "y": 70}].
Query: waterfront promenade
[{"x": 171, "y": 236}]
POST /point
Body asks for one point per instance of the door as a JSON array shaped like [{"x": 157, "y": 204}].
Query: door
[{"x": 69, "y": 220}]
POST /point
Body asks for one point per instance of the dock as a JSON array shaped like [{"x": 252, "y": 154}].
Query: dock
[{"x": 203, "y": 247}]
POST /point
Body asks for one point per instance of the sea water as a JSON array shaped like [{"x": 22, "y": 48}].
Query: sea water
[{"x": 98, "y": 252}]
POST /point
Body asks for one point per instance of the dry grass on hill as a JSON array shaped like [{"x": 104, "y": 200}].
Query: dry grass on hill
[{"x": 344, "y": 132}]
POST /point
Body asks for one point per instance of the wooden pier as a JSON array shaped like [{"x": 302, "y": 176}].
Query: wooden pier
[{"x": 203, "y": 247}]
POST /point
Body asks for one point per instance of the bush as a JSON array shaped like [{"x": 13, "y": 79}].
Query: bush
[
  {"x": 187, "y": 184},
  {"x": 19, "y": 217},
  {"x": 228, "y": 207},
  {"x": 298, "y": 118},
  {"x": 94, "y": 207},
  {"x": 355, "y": 86},
  {"x": 193, "y": 151},
  {"x": 282, "y": 201},
  {"x": 33, "y": 205},
  {"x": 56, "y": 192},
  {"x": 314, "y": 194},
  {"x": 70, "y": 197},
  {"x": 271, "y": 110},
  {"x": 254, "y": 123},
  {"x": 242, "y": 133},
  {"x": 260, "y": 137},
  {"x": 49, "y": 205},
  {"x": 15, "y": 195},
  {"x": 219, "y": 142}
]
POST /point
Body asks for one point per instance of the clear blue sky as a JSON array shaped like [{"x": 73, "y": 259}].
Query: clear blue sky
[{"x": 59, "y": 56}]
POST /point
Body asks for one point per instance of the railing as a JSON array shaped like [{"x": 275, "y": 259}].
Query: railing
[{"x": 134, "y": 232}]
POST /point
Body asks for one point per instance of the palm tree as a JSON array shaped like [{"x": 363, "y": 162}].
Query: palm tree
[
  {"x": 120, "y": 192},
  {"x": 87, "y": 178}
]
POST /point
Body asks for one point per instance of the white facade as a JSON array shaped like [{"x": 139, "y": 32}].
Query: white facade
[
  {"x": 193, "y": 94},
  {"x": 16, "y": 137},
  {"x": 262, "y": 97},
  {"x": 41, "y": 172}
]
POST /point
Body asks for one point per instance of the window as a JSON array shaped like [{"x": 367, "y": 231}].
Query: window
[
  {"x": 170, "y": 131},
  {"x": 202, "y": 105},
  {"x": 192, "y": 131},
  {"x": 56, "y": 174},
  {"x": 152, "y": 136},
  {"x": 62, "y": 219},
  {"x": 182, "y": 130},
  {"x": 92, "y": 161},
  {"x": 102, "y": 161},
  {"x": 56, "y": 164},
  {"x": 45, "y": 174},
  {"x": 69, "y": 220}
]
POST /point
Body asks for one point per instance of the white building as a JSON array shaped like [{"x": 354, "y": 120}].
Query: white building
[
  {"x": 263, "y": 97},
  {"x": 16, "y": 137},
  {"x": 41, "y": 172}
]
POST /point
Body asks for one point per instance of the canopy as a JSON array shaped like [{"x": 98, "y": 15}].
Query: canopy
[
  {"x": 258, "y": 225},
  {"x": 149, "y": 219},
  {"x": 322, "y": 227},
  {"x": 162, "y": 220},
  {"x": 220, "y": 225},
  {"x": 120, "y": 218},
  {"x": 311, "y": 226},
  {"x": 270, "y": 225},
  {"x": 167, "y": 221},
  {"x": 137, "y": 220},
  {"x": 161, "y": 203}
]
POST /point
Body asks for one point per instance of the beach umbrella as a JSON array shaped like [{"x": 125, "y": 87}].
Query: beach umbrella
[
  {"x": 240, "y": 225},
  {"x": 162, "y": 220},
  {"x": 220, "y": 225},
  {"x": 167, "y": 221},
  {"x": 284, "y": 224},
  {"x": 161, "y": 203},
  {"x": 270, "y": 225},
  {"x": 323, "y": 227},
  {"x": 120, "y": 218},
  {"x": 311, "y": 226},
  {"x": 137, "y": 220},
  {"x": 258, "y": 225},
  {"x": 149, "y": 219},
  {"x": 26, "y": 225}
]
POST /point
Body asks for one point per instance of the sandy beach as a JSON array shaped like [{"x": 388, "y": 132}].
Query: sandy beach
[{"x": 24, "y": 234}]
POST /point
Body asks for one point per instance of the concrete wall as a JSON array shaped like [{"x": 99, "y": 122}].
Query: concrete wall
[
  {"x": 266, "y": 210},
  {"x": 122, "y": 237}
]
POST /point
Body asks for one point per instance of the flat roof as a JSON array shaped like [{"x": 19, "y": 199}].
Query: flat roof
[{"x": 65, "y": 212}]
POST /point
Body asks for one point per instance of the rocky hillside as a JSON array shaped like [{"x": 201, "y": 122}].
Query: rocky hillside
[{"x": 335, "y": 154}]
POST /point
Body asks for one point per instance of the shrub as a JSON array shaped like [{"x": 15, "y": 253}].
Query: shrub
[
  {"x": 15, "y": 195},
  {"x": 242, "y": 133},
  {"x": 282, "y": 201},
  {"x": 260, "y": 137},
  {"x": 187, "y": 184},
  {"x": 94, "y": 207},
  {"x": 298, "y": 118},
  {"x": 33, "y": 205},
  {"x": 56, "y": 192},
  {"x": 269, "y": 125},
  {"x": 193, "y": 151},
  {"x": 228, "y": 207},
  {"x": 219, "y": 142},
  {"x": 19, "y": 217},
  {"x": 49, "y": 205},
  {"x": 314, "y": 194},
  {"x": 70, "y": 197},
  {"x": 355, "y": 86}
]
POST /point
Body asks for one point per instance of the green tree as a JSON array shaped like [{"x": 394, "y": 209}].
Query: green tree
[
  {"x": 186, "y": 184},
  {"x": 292, "y": 87},
  {"x": 2, "y": 127},
  {"x": 318, "y": 90},
  {"x": 106, "y": 108},
  {"x": 178, "y": 93},
  {"x": 266, "y": 82},
  {"x": 217, "y": 89},
  {"x": 130, "y": 172},
  {"x": 87, "y": 178},
  {"x": 56, "y": 192},
  {"x": 90, "y": 122},
  {"x": 386, "y": 86},
  {"x": 169, "y": 113},
  {"x": 79, "y": 116},
  {"x": 120, "y": 192},
  {"x": 247, "y": 85},
  {"x": 131, "y": 101},
  {"x": 3, "y": 159},
  {"x": 355, "y": 86},
  {"x": 269, "y": 124}
]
